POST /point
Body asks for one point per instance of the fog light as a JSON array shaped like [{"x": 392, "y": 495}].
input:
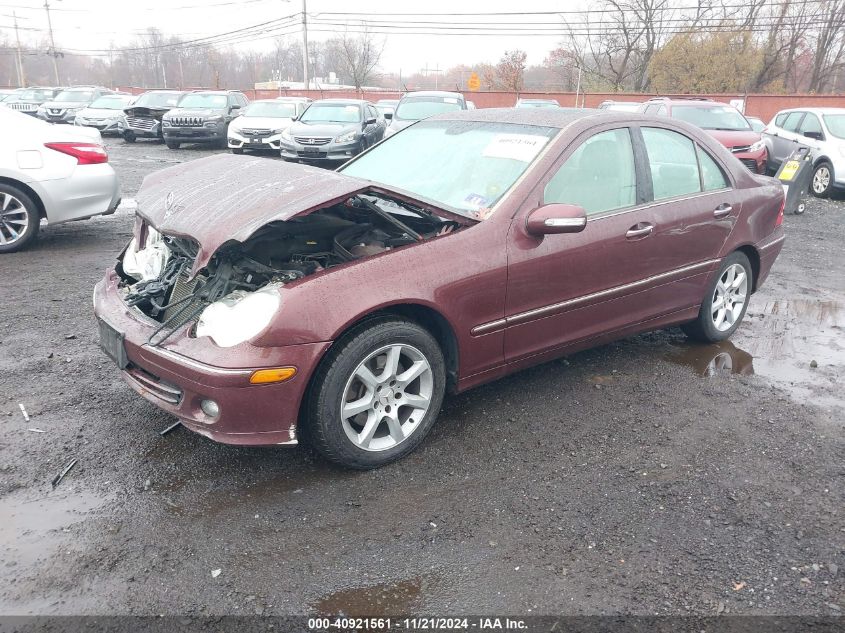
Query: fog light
[{"x": 210, "y": 408}]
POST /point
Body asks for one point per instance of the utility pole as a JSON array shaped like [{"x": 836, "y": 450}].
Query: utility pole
[
  {"x": 53, "y": 51},
  {"x": 21, "y": 76},
  {"x": 304, "y": 44}
]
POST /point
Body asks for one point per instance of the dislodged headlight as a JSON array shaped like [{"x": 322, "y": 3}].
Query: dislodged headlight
[
  {"x": 756, "y": 147},
  {"x": 239, "y": 316},
  {"x": 279, "y": 130},
  {"x": 348, "y": 137},
  {"x": 148, "y": 262}
]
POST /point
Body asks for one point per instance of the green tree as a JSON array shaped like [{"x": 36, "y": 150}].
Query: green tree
[{"x": 706, "y": 63}]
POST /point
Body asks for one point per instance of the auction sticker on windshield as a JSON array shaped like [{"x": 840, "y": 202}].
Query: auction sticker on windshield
[{"x": 521, "y": 147}]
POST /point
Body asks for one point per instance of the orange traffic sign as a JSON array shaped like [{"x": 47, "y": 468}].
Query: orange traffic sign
[{"x": 474, "y": 83}]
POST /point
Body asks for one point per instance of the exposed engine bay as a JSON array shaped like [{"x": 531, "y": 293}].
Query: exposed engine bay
[{"x": 156, "y": 279}]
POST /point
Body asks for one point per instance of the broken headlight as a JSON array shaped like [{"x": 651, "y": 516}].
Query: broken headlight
[
  {"x": 148, "y": 262},
  {"x": 239, "y": 316}
]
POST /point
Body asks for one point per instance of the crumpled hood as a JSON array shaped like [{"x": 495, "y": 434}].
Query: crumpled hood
[
  {"x": 735, "y": 138},
  {"x": 225, "y": 197}
]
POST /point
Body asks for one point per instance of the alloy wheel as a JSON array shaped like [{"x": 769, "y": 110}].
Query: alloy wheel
[
  {"x": 821, "y": 180},
  {"x": 387, "y": 397},
  {"x": 14, "y": 219},
  {"x": 729, "y": 297}
]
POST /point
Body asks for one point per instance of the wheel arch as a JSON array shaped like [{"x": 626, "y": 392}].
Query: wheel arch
[
  {"x": 753, "y": 256},
  {"x": 42, "y": 211}
]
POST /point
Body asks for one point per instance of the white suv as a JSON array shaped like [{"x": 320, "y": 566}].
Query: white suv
[{"x": 820, "y": 129}]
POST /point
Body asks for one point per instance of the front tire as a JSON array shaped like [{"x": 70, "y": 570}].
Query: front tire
[
  {"x": 822, "y": 183},
  {"x": 376, "y": 395},
  {"x": 129, "y": 137},
  {"x": 237, "y": 150},
  {"x": 173, "y": 144},
  {"x": 20, "y": 219},
  {"x": 725, "y": 301}
]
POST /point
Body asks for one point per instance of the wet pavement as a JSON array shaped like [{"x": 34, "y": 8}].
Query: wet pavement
[{"x": 647, "y": 476}]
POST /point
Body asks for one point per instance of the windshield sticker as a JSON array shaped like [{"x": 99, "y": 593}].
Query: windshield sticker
[
  {"x": 521, "y": 147},
  {"x": 351, "y": 108},
  {"x": 450, "y": 100},
  {"x": 475, "y": 200}
]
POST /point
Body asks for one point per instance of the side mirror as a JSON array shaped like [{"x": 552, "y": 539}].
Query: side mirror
[
  {"x": 234, "y": 107},
  {"x": 370, "y": 122},
  {"x": 554, "y": 218},
  {"x": 388, "y": 116},
  {"x": 815, "y": 135}
]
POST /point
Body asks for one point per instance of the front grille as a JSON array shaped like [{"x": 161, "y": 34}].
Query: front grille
[
  {"x": 739, "y": 149},
  {"x": 311, "y": 140},
  {"x": 186, "y": 121},
  {"x": 23, "y": 107},
  {"x": 140, "y": 123},
  {"x": 751, "y": 164},
  {"x": 256, "y": 133},
  {"x": 54, "y": 111},
  {"x": 155, "y": 385}
]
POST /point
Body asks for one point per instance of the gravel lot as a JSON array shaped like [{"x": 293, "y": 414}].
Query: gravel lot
[{"x": 647, "y": 476}]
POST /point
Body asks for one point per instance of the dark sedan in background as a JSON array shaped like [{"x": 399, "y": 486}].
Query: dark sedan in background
[
  {"x": 333, "y": 129},
  {"x": 341, "y": 306}
]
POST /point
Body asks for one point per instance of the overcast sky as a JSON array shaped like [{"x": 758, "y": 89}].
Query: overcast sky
[{"x": 94, "y": 24}]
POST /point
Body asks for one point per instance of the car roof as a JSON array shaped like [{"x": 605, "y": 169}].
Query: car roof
[
  {"x": 341, "y": 101},
  {"x": 433, "y": 93},
  {"x": 548, "y": 117},
  {"x": 814, "y": 110}
]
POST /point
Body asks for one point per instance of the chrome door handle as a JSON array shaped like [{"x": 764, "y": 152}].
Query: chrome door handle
[
  {"x": 639, "y": 231},
  {"x": 722, "y": 210}
]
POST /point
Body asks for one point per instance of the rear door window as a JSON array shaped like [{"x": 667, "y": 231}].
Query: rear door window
[
  {"x": 673, "y": 162},
  {"x": 598, "y": 176},
  {"x": 781, "y": 118},
  {"x": 712, "y": 176}
]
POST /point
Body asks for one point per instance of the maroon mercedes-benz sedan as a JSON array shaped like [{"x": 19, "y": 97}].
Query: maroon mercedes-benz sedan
[{"x": 261, "y": 302}]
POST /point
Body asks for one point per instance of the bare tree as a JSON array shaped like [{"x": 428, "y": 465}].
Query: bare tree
[{"x": 358, "y": 55}]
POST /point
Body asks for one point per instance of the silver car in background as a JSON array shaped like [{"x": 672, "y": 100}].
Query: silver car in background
[
  {"x": 105, "y": 113},
  {"x": 53, "y": 172}
]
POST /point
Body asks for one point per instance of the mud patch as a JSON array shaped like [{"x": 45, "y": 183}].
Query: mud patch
[
  {"x": 797, "y": 344},
  {"x": 382, "y": 600}
]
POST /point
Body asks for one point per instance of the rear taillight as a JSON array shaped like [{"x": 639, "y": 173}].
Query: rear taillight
[
  {"x": 84, "y": 153},
  {"x": 779, "y": 219}
]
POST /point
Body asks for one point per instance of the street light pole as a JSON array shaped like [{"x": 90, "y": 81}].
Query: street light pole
[
  {"x": 304, "y": 44},
  {"x": 21, "y": 76},
  {"x": 53, "y": 52}
]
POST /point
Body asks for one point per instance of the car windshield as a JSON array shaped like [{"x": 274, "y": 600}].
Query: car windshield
[
  {"x": 416, "y": 108},
  {"x": 465, "y": 166},
  {"x": 69, "y": 96},
  {"x": 32, "y": 95},
  {"x": 271, "y": 109},
  {"x": 215, "y": 102},
  {"x": 713, "y": 117},
  {"x": 158, "y": 100},
  {"x": 332, "y": 113},
  {"x": 110, "y": 103},
  {"x": 835, "y": 124}
]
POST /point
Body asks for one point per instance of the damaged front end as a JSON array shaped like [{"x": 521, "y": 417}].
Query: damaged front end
[{"x": 232, "y": 293}]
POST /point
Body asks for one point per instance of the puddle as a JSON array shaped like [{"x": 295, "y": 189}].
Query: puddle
[
  {"x": 383, "y": 600},
  {"x": 32, "y": 529},
  {"x": 780, "y": 340}
]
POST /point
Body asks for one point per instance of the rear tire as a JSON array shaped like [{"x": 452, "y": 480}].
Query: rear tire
[
  {"x": 376, "y": 395},
  {"x": 822, "y": 183},
  {"x": 20, "y": 219},
  {"x": 725, "y": 301},
  {"x": 173, "y": 144}
]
